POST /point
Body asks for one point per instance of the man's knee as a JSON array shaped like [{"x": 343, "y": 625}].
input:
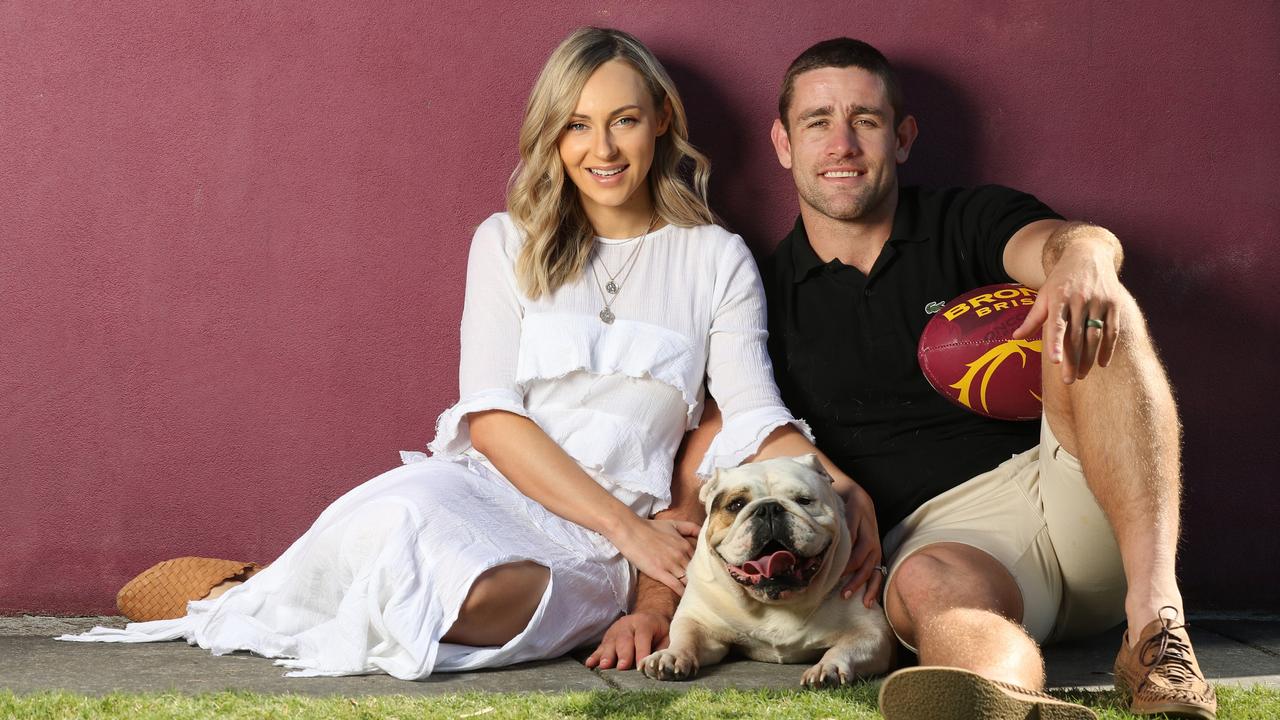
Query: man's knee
[{"x": 945, "y": 576}]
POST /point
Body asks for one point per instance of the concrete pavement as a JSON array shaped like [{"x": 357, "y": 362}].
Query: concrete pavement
[{"x": 1234, "y": 650}]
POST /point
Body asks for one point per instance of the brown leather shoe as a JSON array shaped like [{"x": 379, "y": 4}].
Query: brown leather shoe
[
  {"x": 944, "y": 693},
  {"x": 1160, "y": 673},
  {"x": 161, "y": 592}
]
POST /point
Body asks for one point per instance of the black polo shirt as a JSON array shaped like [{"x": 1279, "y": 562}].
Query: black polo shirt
[{"x": 844, "y": 345}]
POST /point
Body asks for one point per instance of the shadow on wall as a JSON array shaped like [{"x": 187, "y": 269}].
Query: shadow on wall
[
  {"x": 950, "y": 148},
  {"x": 715, "y": 128},
  {"x": 1215, "y": 341}
]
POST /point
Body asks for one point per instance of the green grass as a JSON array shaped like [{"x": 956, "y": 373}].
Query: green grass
[{"x": 697, "y": 704}]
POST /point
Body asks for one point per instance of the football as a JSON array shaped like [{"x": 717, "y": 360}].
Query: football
[{"x": 968, "y": 354}]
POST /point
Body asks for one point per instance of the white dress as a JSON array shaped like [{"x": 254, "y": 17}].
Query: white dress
[{"x": 380, "y": 577}]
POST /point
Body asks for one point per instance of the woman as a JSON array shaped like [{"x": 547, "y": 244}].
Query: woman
[{"x": 594, "y": 309}]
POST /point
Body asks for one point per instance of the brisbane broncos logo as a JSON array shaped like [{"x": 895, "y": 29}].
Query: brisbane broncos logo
[{"x": 987, "y": 365}]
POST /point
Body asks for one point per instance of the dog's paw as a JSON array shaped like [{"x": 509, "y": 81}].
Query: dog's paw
[
  {"x": 667, "y": 665},
  {"x": 827, "y": 674}
]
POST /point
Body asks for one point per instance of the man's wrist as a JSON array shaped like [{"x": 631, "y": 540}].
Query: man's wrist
[
  {"x": 654, "y": 597},
  {"x": 1084, "y": 241},
  {"x": 664, "y": 609},
  {"x": 679, "y": 514}
]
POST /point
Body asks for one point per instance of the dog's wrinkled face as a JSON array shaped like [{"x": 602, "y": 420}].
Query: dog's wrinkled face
[{"x": 774, "y": 524}]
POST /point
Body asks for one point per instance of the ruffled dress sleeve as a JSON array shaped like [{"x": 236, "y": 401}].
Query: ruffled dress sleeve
[
  {"x": 739, "y": 372},
  {"x": 491, "y": 317}
]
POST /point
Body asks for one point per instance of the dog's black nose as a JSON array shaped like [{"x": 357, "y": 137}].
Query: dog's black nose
[
  {"x": 766, "y": 510},
  {"x": 772, "y": 519}
]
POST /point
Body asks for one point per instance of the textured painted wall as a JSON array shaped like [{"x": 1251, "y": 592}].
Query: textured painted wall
[{"x": 232, "y": 235}]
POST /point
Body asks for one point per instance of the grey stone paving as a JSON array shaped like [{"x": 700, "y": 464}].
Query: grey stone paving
[
  {"x": 43, "y": 626},
  {"x": 1260, "y": 634},
  {"x": 1233, "y": 651},
  {"x": 1225, "y": 660}
]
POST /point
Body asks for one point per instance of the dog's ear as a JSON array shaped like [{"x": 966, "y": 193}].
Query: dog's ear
[
  {"x": 709, "y": 487},
  {"x": 812, "y": 462}
]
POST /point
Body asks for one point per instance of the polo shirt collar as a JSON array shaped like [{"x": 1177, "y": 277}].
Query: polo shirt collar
[
  {"x": 805, "y": 261},
  {"x": 906, "y": 220}
]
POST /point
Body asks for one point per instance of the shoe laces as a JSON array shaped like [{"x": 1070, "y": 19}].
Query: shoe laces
[{"x": 1168, "y": 655}]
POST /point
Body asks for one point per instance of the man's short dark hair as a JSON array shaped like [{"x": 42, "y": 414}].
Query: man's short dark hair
[{"x": 841, "y": 52}]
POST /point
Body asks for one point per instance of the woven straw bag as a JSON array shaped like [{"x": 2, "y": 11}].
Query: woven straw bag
[{"x": 162, "y": 591}]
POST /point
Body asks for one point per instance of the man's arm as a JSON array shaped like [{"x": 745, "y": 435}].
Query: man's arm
[
  {"x": 1075, "y": 267},
  {"x": 644, "y": 629}
]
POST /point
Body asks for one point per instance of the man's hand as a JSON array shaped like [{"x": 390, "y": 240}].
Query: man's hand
[
  {"x": 630, "y": 640},
  {"x": 1079, "y": 300},
  {"x": 864, "y": 558},
  {"x": 632, "y": 637}
]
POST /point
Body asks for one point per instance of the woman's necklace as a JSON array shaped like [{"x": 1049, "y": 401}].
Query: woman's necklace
[{"x": 609, "y": 291}]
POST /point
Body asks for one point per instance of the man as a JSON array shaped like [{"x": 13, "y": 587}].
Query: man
[{"x": 1002, "y": 536}]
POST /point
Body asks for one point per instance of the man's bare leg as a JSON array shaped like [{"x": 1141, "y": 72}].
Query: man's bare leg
[
  {"x": 960, "y": 608},
  {"x": 1122, "y": 424}
]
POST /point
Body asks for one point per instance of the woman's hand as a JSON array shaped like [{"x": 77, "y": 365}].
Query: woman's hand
[
  {"x": 864, "y": 558},
  {"x": 658, "y": 548}
]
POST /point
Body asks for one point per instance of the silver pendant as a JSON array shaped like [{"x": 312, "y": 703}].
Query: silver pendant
[
  {"x": 611, "y": 288},
  {"x": 607, "y": 317}
]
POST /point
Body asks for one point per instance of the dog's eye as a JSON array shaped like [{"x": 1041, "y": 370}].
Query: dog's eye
[
  {"x": 736, "y": 505},
  {"x": 802, "y": 500}
]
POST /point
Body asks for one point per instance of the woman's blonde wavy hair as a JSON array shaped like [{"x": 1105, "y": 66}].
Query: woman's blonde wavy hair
[{"x": 542, "y": 200}]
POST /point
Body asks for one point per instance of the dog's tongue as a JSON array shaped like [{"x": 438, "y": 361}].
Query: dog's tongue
[{"x": 775, "y": 564}]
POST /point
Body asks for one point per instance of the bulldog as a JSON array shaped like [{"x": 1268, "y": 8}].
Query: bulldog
[{"x": 765, "y": 580}]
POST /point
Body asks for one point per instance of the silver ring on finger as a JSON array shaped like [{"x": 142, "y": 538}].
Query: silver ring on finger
[{"x": 882, "y": 570}]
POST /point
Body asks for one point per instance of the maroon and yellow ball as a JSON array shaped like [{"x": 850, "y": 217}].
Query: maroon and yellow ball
[{"x": 968, "y": 354}]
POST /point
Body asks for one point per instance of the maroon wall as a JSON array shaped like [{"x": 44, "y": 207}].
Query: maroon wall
[{"x": 232, "y": 235}]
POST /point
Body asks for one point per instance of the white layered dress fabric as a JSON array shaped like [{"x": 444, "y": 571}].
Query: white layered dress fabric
[{"x": 379, "y": 578}]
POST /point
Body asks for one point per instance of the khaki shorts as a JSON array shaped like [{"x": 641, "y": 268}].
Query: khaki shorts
[{"x": 1036, "y": 516}]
